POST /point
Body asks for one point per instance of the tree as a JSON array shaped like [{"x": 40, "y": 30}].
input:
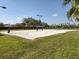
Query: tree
[
  {"x": 73, "y": 12},
  {"x": 32, "y": 22},
  {"x": 45, "y": 25},
  {"x": 1, "y": 25}
]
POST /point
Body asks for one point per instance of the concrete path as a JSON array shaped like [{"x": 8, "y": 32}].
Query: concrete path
[{"x": 32, "y": 34}]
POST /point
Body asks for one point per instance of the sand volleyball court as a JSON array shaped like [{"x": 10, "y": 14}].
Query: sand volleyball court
[{"x": 32, "y": 34}]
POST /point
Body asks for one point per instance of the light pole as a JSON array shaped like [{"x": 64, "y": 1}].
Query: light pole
[
  {"x": 3, "y": 7},
  {"x": 39, "y": 16}
]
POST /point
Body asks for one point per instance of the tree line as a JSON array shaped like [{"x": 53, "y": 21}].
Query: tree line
[{"x": 32, "y": 23}]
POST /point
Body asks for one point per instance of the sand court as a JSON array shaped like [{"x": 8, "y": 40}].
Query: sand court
[{"x": 32, "y": 34}]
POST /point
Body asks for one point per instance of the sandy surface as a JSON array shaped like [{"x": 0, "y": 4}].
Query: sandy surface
[{"x": 32, "y": 34}]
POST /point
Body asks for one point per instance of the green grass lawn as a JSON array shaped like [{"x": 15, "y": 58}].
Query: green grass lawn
[{"x": 61, "y": 46}]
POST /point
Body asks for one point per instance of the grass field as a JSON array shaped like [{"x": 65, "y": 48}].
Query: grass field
[{"x": 61, "y": 46}]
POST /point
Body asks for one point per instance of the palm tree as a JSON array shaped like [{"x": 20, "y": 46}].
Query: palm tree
[{"x": 74, "y": 10}]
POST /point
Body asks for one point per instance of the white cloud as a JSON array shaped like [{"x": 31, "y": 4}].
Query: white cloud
[
  {"x": 11, "y": 21},
  {"x": 6, "y": 21},
  {"x": 18, "y": 18},
  {"x": 55, "y": 15}
]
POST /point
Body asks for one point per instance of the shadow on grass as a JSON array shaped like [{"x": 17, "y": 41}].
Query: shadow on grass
[{"x": 2, "y": 34}]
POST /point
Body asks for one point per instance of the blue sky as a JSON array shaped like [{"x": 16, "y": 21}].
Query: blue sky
[{"x": 52, "y": 11}]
